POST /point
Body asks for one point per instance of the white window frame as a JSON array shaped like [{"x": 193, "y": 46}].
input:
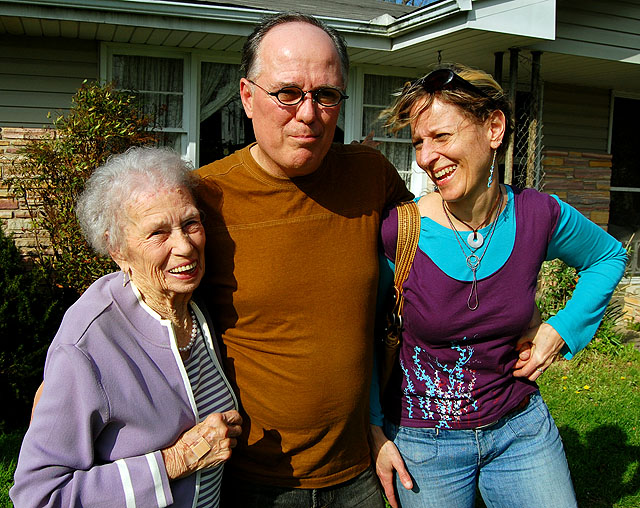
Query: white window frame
[
  {"x": 634, "y": 279},
  {"x": 192, "y": 58},
  {"x": 354, "y": 112},
  {"x": 108, "y": 50},
  {"x": 198, "y": 59}
]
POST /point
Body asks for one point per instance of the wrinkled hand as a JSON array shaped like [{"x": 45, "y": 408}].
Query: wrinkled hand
[
  {"x": 387, "y": 460},
  {"x": 538, "y": 348},
  {"x": 189, "y": 454}
]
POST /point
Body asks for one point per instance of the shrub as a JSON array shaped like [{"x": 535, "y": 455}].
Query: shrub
[
  {"x": 52, "y": 172},
  {"x": 557, "y": 282},
  {"x": 30, "y": 312}
]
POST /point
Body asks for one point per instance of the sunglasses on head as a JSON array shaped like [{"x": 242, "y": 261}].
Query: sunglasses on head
[{"x": 446, "y": 79}]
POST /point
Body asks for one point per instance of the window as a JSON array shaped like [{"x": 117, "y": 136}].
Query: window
[
  {"x": 378, "y": 94},
  {"x": 158, "y": 82},
  {"x": 624, "y": 211},
  {"x": 224, "y": 128}
]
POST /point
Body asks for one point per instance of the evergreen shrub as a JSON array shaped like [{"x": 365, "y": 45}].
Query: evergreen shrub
[{"x": 30, "y": 312}]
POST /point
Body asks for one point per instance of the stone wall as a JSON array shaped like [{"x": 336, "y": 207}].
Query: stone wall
[
  {"x": 581, "y": 179},
  {"x": 15, "y": 218},
  {"x": 632, "y": 300}
]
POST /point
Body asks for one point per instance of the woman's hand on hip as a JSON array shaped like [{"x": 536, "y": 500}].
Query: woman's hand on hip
[
  {"x": 206, "y": 445},
  {"x": 387, "y": 459},
  {"x": 537, "y": 349}
]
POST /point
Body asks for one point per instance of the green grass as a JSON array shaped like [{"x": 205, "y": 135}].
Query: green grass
[
  {"x": 595, "y": 401},
  {"x": 9, "y": 446}
]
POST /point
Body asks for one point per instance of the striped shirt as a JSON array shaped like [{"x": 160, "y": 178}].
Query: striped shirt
[{"x": 212, "y": 396}]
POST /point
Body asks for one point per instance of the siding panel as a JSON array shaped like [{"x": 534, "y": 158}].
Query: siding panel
[
  {"x": 575, "y": 118},
  {"x": 40, "y": 75}
]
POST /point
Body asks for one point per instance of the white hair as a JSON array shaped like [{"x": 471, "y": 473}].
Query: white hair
[{"x": 101, "y": 208}]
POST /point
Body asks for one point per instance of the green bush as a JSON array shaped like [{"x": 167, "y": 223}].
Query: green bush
[
  {"x": 30, "y": 312},
  {"x": 52, "y": 172},
  {"x": 557, "y": 282}
]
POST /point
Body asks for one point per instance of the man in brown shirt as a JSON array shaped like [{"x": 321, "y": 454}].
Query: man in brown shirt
[{"x": 292, "y": 269}]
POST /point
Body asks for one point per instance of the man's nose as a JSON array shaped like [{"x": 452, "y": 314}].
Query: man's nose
[{"x": 307, "y": 109}]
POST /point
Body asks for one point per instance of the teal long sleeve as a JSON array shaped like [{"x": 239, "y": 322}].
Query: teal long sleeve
[{"x": 600, "y": 262}]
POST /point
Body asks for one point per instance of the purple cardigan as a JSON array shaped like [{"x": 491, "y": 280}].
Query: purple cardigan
[{"x": 115, "y": 394}]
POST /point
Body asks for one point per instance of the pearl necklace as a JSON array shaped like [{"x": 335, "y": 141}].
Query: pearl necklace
[{"x": 194, "y": 333}]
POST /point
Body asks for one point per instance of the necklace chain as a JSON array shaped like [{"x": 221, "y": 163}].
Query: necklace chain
[
  {"x": 475, "y": 243},
  {"x": 194, "y": 333},
  {"x": 473, "y": 260}
]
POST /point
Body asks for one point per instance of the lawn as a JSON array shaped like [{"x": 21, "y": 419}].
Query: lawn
[{"x": 595, "y": 401}]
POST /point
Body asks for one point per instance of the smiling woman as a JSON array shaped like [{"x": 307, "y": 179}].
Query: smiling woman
[
  {"x": 462, "y": 407},
  {"x": 133, "y": 339},
  {"x": 164, "y": 249}
]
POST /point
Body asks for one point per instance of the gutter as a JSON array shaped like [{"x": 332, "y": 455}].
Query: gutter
[{"x": 183, "y": 15}]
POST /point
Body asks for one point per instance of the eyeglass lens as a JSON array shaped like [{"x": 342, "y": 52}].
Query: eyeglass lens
[{"x": 324, "y": 96}]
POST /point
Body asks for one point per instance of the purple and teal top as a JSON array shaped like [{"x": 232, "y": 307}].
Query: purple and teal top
[{"x": 455, "y": 364}]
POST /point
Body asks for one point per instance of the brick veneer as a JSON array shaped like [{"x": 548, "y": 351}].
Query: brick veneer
[
  {"x": 581, "y": 179},
  {"x": 14, "y": 216}
]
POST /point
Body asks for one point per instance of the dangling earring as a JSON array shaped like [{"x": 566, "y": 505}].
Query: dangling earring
[
  {"x": 126, "y": 277},
  {"x": 493, "y": 164}
]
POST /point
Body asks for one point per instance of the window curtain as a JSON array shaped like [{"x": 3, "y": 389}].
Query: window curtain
[
  {"x": 158, "y": 84},
  {"x": 378, "y": 94},
  {"x": 219, "y": 91}
]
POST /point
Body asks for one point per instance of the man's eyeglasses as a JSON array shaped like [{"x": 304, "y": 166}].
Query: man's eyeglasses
[
  {"x": 446, "y": 79},
  {"x": 293, "y": 95}
]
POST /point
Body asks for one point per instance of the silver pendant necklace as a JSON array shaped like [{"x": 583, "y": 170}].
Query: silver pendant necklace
[
  {"x": 473, "y": 260},
  {"x": 475, "y": 238}
]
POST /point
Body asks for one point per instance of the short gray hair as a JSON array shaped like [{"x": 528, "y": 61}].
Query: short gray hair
[
  {"x": 101, "y": 208},
  {"x": 251, "y": 46}
]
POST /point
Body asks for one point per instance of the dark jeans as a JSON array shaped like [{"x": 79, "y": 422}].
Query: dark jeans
[{"x": 363, "y": 491}]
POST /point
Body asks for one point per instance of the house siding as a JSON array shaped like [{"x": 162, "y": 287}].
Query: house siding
[
  {"x": 610, "y": 25},
  {"x": 40, "y": 75},
  {"x": 37, "y": 76},
  {"x": 576, "y": 118}
]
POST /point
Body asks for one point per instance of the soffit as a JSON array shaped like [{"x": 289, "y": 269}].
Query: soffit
[{"x": 227, "y": 29}]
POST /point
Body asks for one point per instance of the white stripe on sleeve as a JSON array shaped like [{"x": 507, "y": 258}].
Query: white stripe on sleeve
[
  {"x": 125, "y": 477},
  {"x": 157, "y": 479}
]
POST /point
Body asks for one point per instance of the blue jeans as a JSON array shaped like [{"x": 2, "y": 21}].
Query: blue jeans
[
  {"x": 363, "y": 491},
  {"x": 516, "y": 462}
]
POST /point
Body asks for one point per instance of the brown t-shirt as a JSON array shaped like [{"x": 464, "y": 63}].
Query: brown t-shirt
[{"x": 291, "y": 278}]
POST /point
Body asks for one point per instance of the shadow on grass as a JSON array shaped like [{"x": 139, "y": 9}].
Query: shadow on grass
[
  {"x": 9, "y": 447},
  {"x": 604, "y": 467}
]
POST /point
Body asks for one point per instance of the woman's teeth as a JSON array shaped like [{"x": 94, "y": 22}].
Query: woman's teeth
[
  {"x": 184, "y": 268},
  {"x": 445, "y": 171}
]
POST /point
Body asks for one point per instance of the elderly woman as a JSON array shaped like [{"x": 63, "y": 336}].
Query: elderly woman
[
  {"x": 135, "y": 409},
  {"x": 462, "y": 406}
]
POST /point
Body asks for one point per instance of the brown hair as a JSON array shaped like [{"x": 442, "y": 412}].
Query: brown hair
[{"x": 477, "y": 107}]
